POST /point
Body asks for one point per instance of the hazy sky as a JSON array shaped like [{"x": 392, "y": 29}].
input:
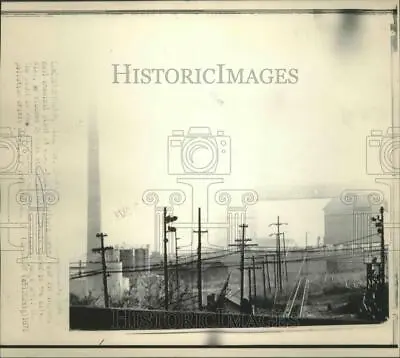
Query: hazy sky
[{"x": 308, "y": 133}]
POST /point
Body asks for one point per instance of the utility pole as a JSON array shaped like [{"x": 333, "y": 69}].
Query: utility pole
[
  {"x": 278, "y": 224},
  {"x": 177, "y": 264},
  {"x": 305, "y": 255},
  {"x": 267, "y": 264},
  {"x": 275, "y": 263},
  {"x": 199, "y": 290},
  {"x": 242, "y": 248},
  {"x": 165, "y": 261},
  {"x": 167, "y": 219},
  {"x": 264, "y": 283},
  {"x": 284, "y": 254},
  {"x": 249, "y": 273},
  {"x": 252, "y": 285},
  {"x": 379, "y": 223},
  {"x": 254, "y": 277},
  {"x": 242, "y": 244},
  {"x": 382, "y": 273},
  {"x": 102, "y": 251}
]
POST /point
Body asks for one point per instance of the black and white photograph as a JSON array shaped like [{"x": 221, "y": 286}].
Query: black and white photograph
[
  {"x": 212, "y": 170},
  {"x": 253, "y": 204}
]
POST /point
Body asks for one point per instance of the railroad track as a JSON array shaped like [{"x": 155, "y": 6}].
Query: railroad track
[{"x": 298, "y": 297}]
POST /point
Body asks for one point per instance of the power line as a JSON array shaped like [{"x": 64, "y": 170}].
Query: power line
[
  {"x": 145, "y": 270},
  {"x": 158, "y": 266},
  {"x": 228, "y": 253}
]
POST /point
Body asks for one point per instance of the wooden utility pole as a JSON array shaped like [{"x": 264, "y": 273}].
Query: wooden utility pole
[
  {"x": 275, "y": 263},
  {"x": 267, "y": 264},
  {"x": 251, "y": 278},
  {"x": 199, "y": 289},
  {"x": 177, "y": 264},
  {"x": 305, "y": 255},
  {"x": 278, "y": 224},
  {"x": 102, "y": 251},
  {"x": 264, "y": 282},
  {"x": 167, "y": 219},
  {"x": 249, "y": 275},
  {"x": 242, "y": 248},
  {"x": 284, "y": 255},
  {"x": 382, "y": 267},
  {"x": 165, "y": 261},
  {"x": 242, "y": 244},
  {"x": 254, "y": 277}
]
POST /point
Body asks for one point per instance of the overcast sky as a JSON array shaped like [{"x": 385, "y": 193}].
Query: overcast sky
[{"x": 308, "y": 133}]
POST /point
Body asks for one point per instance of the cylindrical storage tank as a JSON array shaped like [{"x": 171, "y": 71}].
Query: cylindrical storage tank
[
  {"x": 140, "y": 259},
  {"x": 128, "y": 262},
  {"x": 115, "y": 279}
]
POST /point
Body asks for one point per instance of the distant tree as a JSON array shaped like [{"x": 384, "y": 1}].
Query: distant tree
[
  {"x": 89, "y": 300},
  {"x": 183, "y": 300},
  {"x": 126, "y": 301},
  {"x": 148, "y": 293}
]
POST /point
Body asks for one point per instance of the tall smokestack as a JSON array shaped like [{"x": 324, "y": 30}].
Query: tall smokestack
[{"x": 93, "y": 190}]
